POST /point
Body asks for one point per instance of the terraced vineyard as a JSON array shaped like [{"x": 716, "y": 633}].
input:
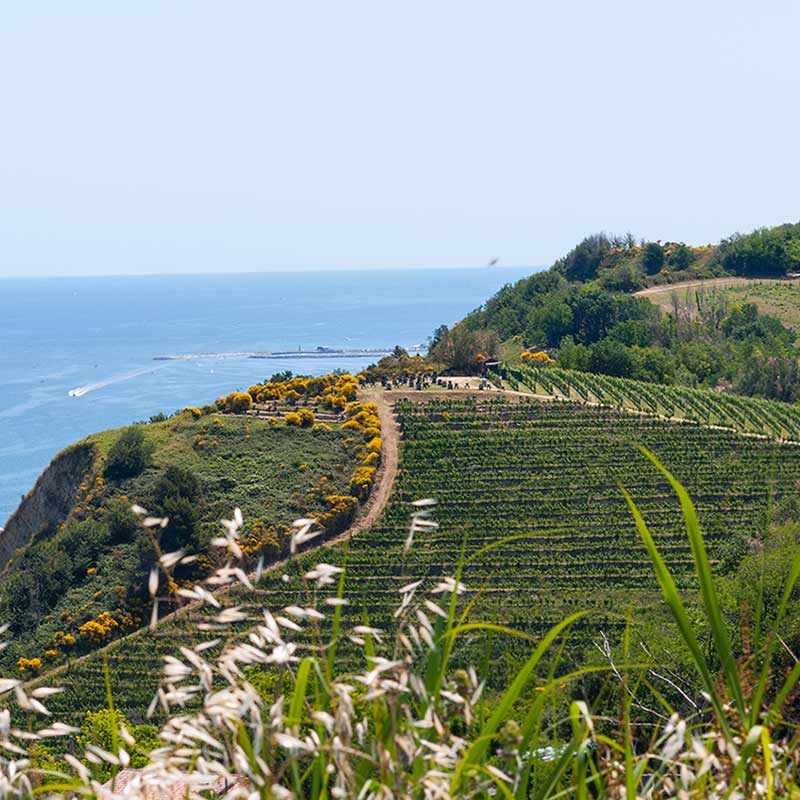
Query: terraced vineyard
[
  {"x": 545, "y": 471},
  {"x": 746, "y": 414}
]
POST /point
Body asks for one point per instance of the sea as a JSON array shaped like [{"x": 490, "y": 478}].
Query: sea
[{"x": 79, "y": 355}]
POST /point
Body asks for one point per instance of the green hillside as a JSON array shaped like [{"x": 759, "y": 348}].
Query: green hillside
[
  {"x": 545, "y": 473},
  {"x": 528, "y": 489},
  {"x": 753, "y": 416},
  {"x": 83, "y": 582},
  {"x": 591, "y": 311},
  {"x": 779, "y": 299}
]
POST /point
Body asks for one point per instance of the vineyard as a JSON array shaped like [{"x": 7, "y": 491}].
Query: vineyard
[
  {"x": 744, "y": 414},
  {"x": 544, "y": 473}
]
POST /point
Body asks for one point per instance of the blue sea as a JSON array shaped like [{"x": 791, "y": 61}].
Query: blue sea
[{"x": 98, "y": 337}]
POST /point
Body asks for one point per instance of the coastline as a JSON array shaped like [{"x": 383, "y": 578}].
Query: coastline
[{"x": 319, "y": 353}]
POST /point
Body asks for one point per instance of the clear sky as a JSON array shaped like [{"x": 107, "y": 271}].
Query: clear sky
[{"x": 194, "y": 136}]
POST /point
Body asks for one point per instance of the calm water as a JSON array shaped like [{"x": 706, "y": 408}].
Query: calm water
[{"x": 101, "y": 334}]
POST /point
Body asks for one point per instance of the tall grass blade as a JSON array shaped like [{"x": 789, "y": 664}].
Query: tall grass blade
[
  {"x": 299, "y": 695},
  {"x": 673, "y": 600},
  {"x": 710, "y": 602},
  {"x": 337, "y": 615},
  {"x": 772, "y": 640},
  {"x": 477, "y": 750}
]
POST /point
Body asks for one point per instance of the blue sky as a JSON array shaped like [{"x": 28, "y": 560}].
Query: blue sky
[{"x": 204, "y": 136}]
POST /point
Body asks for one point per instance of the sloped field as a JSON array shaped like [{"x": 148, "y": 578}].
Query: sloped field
[{"x": 545, "y": 472}]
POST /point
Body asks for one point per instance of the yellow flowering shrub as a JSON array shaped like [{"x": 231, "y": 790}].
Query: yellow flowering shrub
[
  {"x": 235, "y": 402},
  {"x": 264, "y": 538},
  {"x": 304, "y": 418},
  {"x": 291, "y": 397},
  {"x": 100, "y": 629},
  {"x": 341, "y": 513},
  {"x": 62, "y": 639},
  {"x": 193, "y": 412},
  {"x": 361, "y": 481},
  {"x": 29, "y": 665},
  {"x": 538, "y": 357},
  {"x": 334, "y": 390}
]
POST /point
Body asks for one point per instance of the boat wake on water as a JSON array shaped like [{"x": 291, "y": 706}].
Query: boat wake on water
[{"x": 80, "y": 391}]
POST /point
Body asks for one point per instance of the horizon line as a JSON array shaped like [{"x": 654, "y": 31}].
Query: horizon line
[{"x": 488, "y": 268}]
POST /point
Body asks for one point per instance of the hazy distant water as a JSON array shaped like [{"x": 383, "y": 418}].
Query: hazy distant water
[{"x": 101, "y": 334}]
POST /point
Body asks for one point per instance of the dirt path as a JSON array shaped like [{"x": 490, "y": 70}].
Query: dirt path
[
  {"x": 390, "y": 459},
  {"x": 720, "y": 282}
]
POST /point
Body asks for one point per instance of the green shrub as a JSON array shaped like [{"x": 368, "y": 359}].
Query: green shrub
[{"x": 128, "y": 455}]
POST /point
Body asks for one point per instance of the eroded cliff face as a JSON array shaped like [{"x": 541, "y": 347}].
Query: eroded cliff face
[{"x": 50, "y": 501}]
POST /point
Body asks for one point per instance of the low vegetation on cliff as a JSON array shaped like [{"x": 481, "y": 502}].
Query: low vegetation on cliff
[{"x": 81, "y": 581}]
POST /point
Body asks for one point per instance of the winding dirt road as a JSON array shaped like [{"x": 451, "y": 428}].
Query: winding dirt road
[
  {"x": 387, "y": 472},
  {"x": 667, "y": 288}
]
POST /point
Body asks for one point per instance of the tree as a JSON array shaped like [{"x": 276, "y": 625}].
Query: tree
[
  {"x": 464, "y": 350},
  {"x": 652, "y": 258},
  {"x": 680, "y": 258},
  {"x": 610, "y": 357},
  {"x": 555, "y": 321},
  {"x": 766, "y": 251},
  {"x": 123, "y": 524},
  {"x": 583, "y": 262},
  {"x": 128, "y": 455},
  {"x": 633, "y": 331},
  {"x": 176, "y": 496},
  {"x": 437, "y": 337},
  {"x": 652, "y": 364},
  {"x": 626, "y": 276}
]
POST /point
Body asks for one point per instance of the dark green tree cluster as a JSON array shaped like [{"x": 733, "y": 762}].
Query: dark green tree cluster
[
  {"x": 128, "y": 455},
  {"x": 767, "y": 252},
  {"x": 545, "y": 309},
  {"x": 583, "y": 313},
  {"x": 99, "y": 560},
  {"x": 620, "y": 263}
]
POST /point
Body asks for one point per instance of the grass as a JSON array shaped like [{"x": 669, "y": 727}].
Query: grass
[
  {"x": 779, "y": 299},
  {"x": 776, "y": 298}
]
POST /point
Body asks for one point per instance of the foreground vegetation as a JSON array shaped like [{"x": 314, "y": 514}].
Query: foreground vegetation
[
  {"x": 407, "y": 721},
  {"x": 543, "y": 473},
  {"x": 518, "y": 643}
]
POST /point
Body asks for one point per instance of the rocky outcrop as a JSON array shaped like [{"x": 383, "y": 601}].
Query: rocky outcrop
[{"x": 50, "y": 501}]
